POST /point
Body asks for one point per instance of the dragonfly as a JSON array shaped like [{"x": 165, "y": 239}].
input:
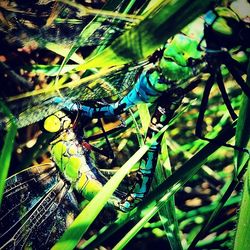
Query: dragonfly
[
  {"x": 26, "y": 108},
  {"x": 72, "y": 166},
  {"x": 161, "y": 90}
]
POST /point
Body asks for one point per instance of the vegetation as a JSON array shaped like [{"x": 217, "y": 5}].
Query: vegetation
[{"x": 197, "y": 186}]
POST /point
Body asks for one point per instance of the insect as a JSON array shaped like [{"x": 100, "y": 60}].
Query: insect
[
  {"x": 71, "y": 154},
  {"x": 151, "y": 86}
]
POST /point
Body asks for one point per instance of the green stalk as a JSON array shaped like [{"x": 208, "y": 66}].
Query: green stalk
[
  {"x": 242, "y": 238},
  {"x": 167, "y": 212},
  {"x": 130, "y": 5},
  {"x": 215, "y": 214},
  {"x": 224, "y": 237},
  {"x": 5, "y": 155},
  {"x": 182, "y": 175},
  {"x": 81, "y": 224},
  {"x": 160, "y": 204},
  {"x": 165, "y": 207}
]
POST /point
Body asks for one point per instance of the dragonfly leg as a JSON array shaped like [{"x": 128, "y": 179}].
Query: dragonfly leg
[
  {"x": 233, "y": 67},
  {"x": 216, "y": 75},
  {"x": 225, "y": 96},
  {"x": 203, "y": 106}
]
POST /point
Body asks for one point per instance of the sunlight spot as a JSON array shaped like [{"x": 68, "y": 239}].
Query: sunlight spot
[
  {"x": 31, "y": 143},
  {"x": 19, "y": 150},
  {"x": 193, "y": 202},
  {"x": 188, "y": 189},
  {"x": 199, "y": 219}
]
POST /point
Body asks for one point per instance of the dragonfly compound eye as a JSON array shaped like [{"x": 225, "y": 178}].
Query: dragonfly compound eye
[
  {"x": 52, "y": 124},
  {"x": 222, "y": 30},
  {"x": 56, "y": 122}
]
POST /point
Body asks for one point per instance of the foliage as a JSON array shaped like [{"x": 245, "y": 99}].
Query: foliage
[{"x": 201, "y": 180}]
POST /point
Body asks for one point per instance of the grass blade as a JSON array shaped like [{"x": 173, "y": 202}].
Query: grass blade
[
  {"x": 167, "y": 212},
  {"x": 242, "y": 239},
  {"x": 63, "y": 51},
  {"x": 160, "y": 204},
  {"x": 72, "y": 236},
  {"x": 6, "y": 152},
  {"x": 217, "y": 210},
  {"x": 137, "y": 44},
  {"x": 182, "y": 175},
  {"x": 144, "y": 116}
]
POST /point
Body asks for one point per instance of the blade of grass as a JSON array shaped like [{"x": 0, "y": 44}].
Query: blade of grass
[
  {"x": 167, "y": 212},
  {"x": 71, "y": 237},
  {"x": 225, "y": 237},
  {"x": 64, "y": 51},
  {"x": 216, "y": 212},
  {"x": 138, "y": 133},
  {"x": 191, "y": 215},
  {"x": 208, "y": 209},
  {"x": 108, "y": 35},
  {"x": 150, "y": 213},
  {"x": 241, "y": 158},
  {"x": 72, "y": 84},
  {"x": 87, "y": 31},
  {"x": 144, "y": 116},
  {"x": 6, "y": 151},
  {"x": 51, "y": 70},
  {"x": 80, "y": 225},
  {"x": 103, "y": 12},
  {"x": 137, "y": 43},
  {"x": 165, "y": 207},
  {"x": 224, "y": 224},
  {"x": 181, "y": 175},
  {"x": 242, "y": 238}
]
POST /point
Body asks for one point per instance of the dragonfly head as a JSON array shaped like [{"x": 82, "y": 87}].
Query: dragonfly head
[
  {"x": 177, "y": 53},
  {"x": 222, "y": 28},
  {"x": 57, "y": 122}
]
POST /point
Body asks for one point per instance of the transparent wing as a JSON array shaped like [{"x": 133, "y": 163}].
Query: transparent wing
[
  {"x": 43, "y": 22},
  {"x": 33, "y": 109},
  {"x": 69, "y": 24},
  {"x": 32, "y": 201}
]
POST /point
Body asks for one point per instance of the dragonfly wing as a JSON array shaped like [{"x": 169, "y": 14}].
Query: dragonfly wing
[
  {"x": 32, "y": 201},
  {"x": 25, "y": 110},
  {"x": 61, "y": 214}
]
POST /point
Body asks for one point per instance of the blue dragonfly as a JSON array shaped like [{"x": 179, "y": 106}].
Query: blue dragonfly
[{"x": 54, "y": 195}]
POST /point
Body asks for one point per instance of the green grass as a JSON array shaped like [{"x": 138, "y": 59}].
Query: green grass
[
  {"x": 158, "y": 211},
  {"x": 6, "y": 151}
]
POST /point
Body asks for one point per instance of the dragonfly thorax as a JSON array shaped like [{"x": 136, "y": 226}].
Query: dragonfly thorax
[{"x": 74, "y": 161}]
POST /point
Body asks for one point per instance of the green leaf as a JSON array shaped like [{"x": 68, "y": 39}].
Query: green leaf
[
  {"x": 140, "y": 42},
  {"x": 173, "y": 183},
  {"x": 167, "y": 212},
  {"x": 165, "y": 207},
  {"x": 80, "y": 225},
  {"x": 64, "y": 51},
  {"x": 52, "y": 70},
  {"x": 242, "y": 239},
  {"x": 5, "y": 155},
  {"x": 144, "y": 116}
]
